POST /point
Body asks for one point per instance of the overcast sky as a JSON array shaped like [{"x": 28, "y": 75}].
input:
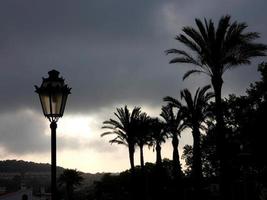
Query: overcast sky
[{"x": 111, "y": 53}]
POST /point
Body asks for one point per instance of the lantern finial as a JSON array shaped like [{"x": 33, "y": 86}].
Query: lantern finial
[{"x": 53, "y": 74}]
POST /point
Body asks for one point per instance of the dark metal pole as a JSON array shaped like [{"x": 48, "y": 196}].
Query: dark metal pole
[{"x": 53, "y": 127}]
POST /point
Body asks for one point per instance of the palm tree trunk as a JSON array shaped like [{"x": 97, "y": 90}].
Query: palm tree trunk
[
  {"x": 158, "y": 154},
  {"x": 197, "y": 165},
  {"x": 141, "y": 156},
  {"x": 220, "y": 138},
  {"x": 143, "y": 189},
  {"x": 131, "y": 156},
  {"x": 133, "y": 185},
  {"x": 175, "y": 157}
]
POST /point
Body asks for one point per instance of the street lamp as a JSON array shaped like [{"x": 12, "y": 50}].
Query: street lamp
[{"x": 53, "y": 95}]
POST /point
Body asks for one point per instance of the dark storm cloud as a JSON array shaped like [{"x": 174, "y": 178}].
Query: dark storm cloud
[
  {"x": 106, "y": 50},
  {"x": 110, "y": 52}
]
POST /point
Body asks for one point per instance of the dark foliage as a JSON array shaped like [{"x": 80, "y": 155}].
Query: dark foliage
[
  {"x": 245, "y": 118},
  {"x": 158, "y": 184},
  {"x": 69, "y": 179}
]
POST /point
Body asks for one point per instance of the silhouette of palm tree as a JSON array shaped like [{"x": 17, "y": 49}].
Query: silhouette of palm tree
[
  {"x": 158, "y": 136},
  {"x": 70, "y": 178},
  {"x": 174, "y": 126},
  {"x": 195, "y": 112},
  {"x": 217, "y": 51},
  {"x": 125, "y": 129},
  {"x": 142, "y": 134}
]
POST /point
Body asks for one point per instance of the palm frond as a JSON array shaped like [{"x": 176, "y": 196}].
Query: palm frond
[
  {"x": 172, "y": 101},
  {"x": 189, "y": 43},
  {"x": 113, "y": 124},
  {"x": 185, "y": 60},
  {"x": 211, "y": 32},
  {"x": 117, "y": 142},
  {"x": 222, "y": 29},
  {"x": 108, "y": 127},
  {"x": 195, "y": 36},
  {"x": 188, "y": 73},
  {"x": 186, "y": 95},
  {"x": 107, "y": 133},
  {"x": 202, "y": 29}
]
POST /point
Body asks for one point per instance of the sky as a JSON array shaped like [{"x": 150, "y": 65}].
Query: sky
[{"x": 111, "y": 53}]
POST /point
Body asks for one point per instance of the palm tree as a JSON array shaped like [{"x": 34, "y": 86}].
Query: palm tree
[
  {"x": 124, "y": 128},
  {"x": 142, "y": 134},
  {"x": 70, "y": 178},
  {"x": 174, "y": 127},
  {"x": 216, "y": 51},
  {"x": 195, "y": 112},
  {"x": 158, "y": 136}
]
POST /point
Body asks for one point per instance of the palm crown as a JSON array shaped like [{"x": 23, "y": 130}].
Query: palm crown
[
  {"x": 125, "y": 127},
  {"x": 217, "y": 50},
  {"x": 196, "y": 108},
  {"x": 174, "y": 121}
]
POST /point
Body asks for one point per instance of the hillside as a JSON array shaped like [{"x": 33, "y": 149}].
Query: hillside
[
  {"x": 37, "y": 174},
  {"x": 20, "y": 166}
]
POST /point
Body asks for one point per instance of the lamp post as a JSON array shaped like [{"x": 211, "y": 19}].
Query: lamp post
[{"x": 53, "y": 95}]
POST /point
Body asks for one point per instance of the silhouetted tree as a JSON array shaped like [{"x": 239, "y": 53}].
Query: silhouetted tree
[
  {"x": 246, "y": 117},
  {"x": 142, "y": 134},
  {"x": 70, "y": 178},
  {"x": 217, "y": 51},
  {"x": 195, "y": 112},
  {"x": 124, "y": 129},
  {"x": 158, "y": 136},
  {"x": 174, "y": 125},
  {"x": 256, "y": 107},
  {"x": 209, "y": 159},
  {"x": 112, "y": 187}
]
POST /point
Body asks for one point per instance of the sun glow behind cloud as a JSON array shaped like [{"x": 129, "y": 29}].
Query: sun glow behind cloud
[{"x": 80, "y": 126}]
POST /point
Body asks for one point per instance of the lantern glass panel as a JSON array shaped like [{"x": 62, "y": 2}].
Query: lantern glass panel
[
  {"x": 45, "y": 101},
  {"x": 56, "y": 102},
  {"x": 64, "y": 100}
]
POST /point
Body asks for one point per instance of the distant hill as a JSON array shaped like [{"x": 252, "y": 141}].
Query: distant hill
[
  {"x": 20, "y": 166},
  {"x": 11, "y": 170}
]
